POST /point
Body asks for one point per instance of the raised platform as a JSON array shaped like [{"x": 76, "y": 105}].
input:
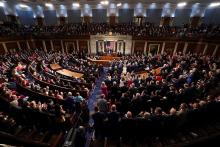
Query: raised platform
[
  {"x": 104, "y": 60},
  {"x": 109, "y": 57}
]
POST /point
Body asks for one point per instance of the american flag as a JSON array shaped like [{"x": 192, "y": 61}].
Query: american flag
[{"x": 110, "y": 45}]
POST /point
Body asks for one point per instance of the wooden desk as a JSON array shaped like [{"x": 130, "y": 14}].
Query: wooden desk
[
  {"x": 103, "y": 62},
  {"x": 69, "y": 73},
  {"x": 109, "y": 57},
  {"x": 55, "y": 66}
]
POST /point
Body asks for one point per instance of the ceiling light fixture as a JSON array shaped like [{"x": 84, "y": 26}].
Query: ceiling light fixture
[
  {"x": 153, "y": 6},
  {"x": 104, "y": 2},
  {"x": 216, "y": 4},
  {"x": 181, "y": 5},
  {"x": 49, "y": 5},
  {"x": 119, "y": 4},
  {"x": 75, "y": 5},
  {"x": 23, "y": 6},
  {"x": 2, "y": 4}
]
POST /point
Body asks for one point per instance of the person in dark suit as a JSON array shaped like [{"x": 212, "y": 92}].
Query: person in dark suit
[
  {"x": 127, "y": 126},
  {"x": 113, "y": 122},
  {"x": 98, "y": 118}
]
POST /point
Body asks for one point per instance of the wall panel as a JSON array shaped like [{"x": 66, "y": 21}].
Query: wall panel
[
  {"x": 50, "y": 17},
  {"x": 74, "y": 16},
  {"x": 181, "y": 16},
  {"x": 154, "y": 16},
  {"x": 125, "y": 15},
  {"x": 2, "y": 14},
  {"x": 139, "y": 47},
  {"x": 23, "y": 45},
  {"x": 26, "y": 17},
  {"x": 210, "y": 49},
  {"x": 99, "y": 15},
  {"x": 212, "y": 16},
  {"x": 169, "y": 47},
  {"x": 2, "y": 51}
]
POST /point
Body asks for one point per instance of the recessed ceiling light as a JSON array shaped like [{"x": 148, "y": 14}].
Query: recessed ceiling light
[
  {"x": 2, "y": 4},
  {"x": 75, "y": 4},
  {"x": 216, "y": 4},
  {"x": 23, "y": 6},
  {"x": 104, "y": 2},
  {"x": 153, "y": 6},
  {"x": 182, "y": 4},
  {"x": 119, "y": 4},
  {"x": 48, "y": 4}
]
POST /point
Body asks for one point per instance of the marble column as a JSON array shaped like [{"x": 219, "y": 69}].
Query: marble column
[
  {"x": 19, "y": 46},
  {"x": 175, "y": 48},
  {"x": 185, "y": 47},
  {"x": 51, "y": 44},
  {"x": 28, "y": 45},
  {"x": 145, "y": 47},
  {"x": 163, "y": 47},
  {"x": 44, "y": 46},
  {"x": 77, "y": 45},
  {"x": 205, "y": 49},
  {"x": 215, "y": 51},
  {"x": 62, "y": 47},
  {"x": 5, "y": 47}
]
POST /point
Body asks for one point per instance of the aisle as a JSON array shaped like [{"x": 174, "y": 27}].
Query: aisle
[
  {"x": 96, "y": 92},
  {"x": 92, "y": 100}
]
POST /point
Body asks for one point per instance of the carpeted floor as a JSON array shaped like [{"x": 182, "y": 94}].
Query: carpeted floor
[
  {"x": 92, "y": 100},
  {"x": 96, "y": 92}
]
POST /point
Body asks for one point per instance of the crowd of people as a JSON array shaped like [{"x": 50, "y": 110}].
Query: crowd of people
[
  {"x": 170, "y": 91},
  {"x": 22, "y": 91},
  {"x": 145, "y": 95},
  {"x": 145, "y": 30}
]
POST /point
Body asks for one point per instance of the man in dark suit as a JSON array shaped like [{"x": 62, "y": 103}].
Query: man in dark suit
[
  {"x": 98, "y": 118},
  {"x": 113, "y": 122}
]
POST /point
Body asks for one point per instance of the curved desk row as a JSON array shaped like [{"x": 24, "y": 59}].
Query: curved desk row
[{"x": 65, "y": 72}]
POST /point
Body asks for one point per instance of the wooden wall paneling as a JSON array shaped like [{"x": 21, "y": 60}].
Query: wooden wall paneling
[
  {"x": 39, "y": 44},
  {"x": 48, "y": 45},
  {"x": 86, "y": 19},
  {"x": 32, "y": 44},
  {"x": 23, "y": 45},
  {"x": 62, "y": 20},
  {"x": 12, "y": 18},
  {"x": 154, "y": 42},
  {"x": 210, "y": 49},
  {"x": 70, "y": 46},
  {"x": 83, "y": 46},
  {"x": 2, "y": 51},
  {"x": 12, "y": 46},
  {"x": 195, "y": 21},
  {"x": 180, "y": 47},
  {"x": 195, "y": 48},
  {"x": 139, "y": 47},
  {"x": 166, "y": 21},
  {"x": 169, "y": 47},
  {"x": 57, "y": 45},
  {"x": 112, "y": 20},
  {"x": 218, "y": 52},
  {"x": 40, "y": 21}
]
